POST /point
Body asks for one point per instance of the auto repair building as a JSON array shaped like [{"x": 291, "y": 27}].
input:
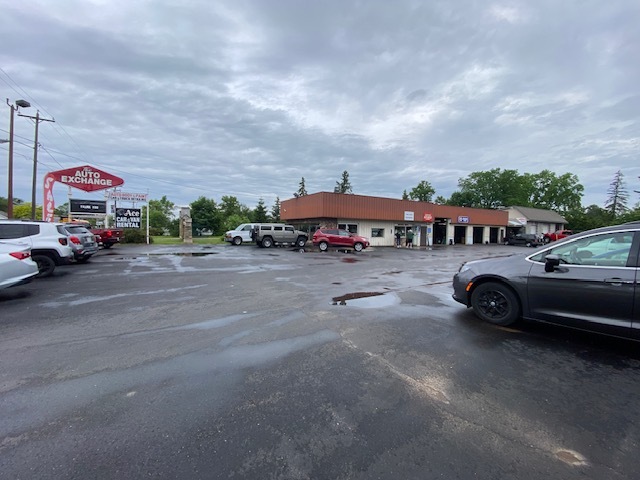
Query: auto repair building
[{"x": 379, "y": 218}]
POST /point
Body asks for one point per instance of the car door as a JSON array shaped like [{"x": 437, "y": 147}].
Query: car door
[
  {"x": 289, "y": 234},
  {"x": 18, "y": 233},
  {"x": 343, "y": 239},
  {"x": 245, "y": 232},
  {"x": 594, "y": 287}
]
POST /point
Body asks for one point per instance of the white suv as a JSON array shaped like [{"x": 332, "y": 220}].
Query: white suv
[{"x": 48, "y": 242}]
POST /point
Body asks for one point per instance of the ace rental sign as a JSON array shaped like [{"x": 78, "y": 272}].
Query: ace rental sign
[{"x": 128, "y": 217}]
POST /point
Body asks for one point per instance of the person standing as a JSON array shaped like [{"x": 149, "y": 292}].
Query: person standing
[
  {"x": 409, "y": 238},
  {"x": 398, "y": 239}
]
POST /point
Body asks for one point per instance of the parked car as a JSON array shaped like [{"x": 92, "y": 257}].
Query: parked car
[
  {"x": 526, "y": 239},
  {"x": 324, "y": 238},
  {"x": 587, "y": 281},
  {"x": 242, "y": 233},
  {"x": 268, "y": 234},
  {"x": 48, "y": 241},
  {"x": 16, "y": 265},
  {"x": 557, "y": 235},
  {"x": 83, "y": 243}
]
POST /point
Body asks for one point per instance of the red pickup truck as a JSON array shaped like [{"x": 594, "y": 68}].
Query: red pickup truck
[
  {"x": 108, "y": 236},
  {"x": 557, "y": 235}
]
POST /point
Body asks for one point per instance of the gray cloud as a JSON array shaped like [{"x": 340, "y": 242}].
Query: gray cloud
[{"x": 245, "y": 97}]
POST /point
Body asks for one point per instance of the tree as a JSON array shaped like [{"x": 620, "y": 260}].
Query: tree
[
  {"x": 4, "y": 203},
  {"x": 160, "y": 213},
  {"x": 205, "y": 215},
  {"x": 587, "y": 218},
  {"x": 230, "y": 205},
  {"x": 616, "y": 203},
  {"x": 232, "y": 221},
  {"x": 498, "y": 188},
  {"x": 260, "y": 212},
  {"x": 61, "y": 210},
  {"x": 423, "y": 192},
  {"x": 546, "y": 190},
  {"x": 302, "y": 190},
  {"x": 24, "y": 211},
  {"x": 491, "y": 189},
  {"x": 343, "y": 186},
  {"x": 405, "y": 195},
  {"x": 440, "y": 200},
  {"x": 275, "y": 210}
]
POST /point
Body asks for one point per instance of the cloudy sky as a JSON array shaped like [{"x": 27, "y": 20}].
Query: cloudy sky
[{"x": 186, "y": 98}]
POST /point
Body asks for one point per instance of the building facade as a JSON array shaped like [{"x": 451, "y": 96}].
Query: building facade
[
  {"x": 534, "y": 220},
  {"x": 379, "y": 218}
]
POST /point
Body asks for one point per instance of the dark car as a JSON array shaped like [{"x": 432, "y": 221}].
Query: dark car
[
  {"x": 526, "y": 239},
  {"x": 587, "y": 281},
  {"x": 324, "y": 238}
]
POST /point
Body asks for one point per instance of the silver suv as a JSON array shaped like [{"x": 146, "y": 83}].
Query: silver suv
[
  {"x": 82, "y": 242},
  {"x": 48, "y": 241},
  {"x": 268, "y": 234}
]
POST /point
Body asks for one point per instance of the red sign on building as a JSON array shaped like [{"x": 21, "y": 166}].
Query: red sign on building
[{"x": 427, "y": 217}]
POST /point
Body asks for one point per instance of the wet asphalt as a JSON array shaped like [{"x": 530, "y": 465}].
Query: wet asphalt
[{"x": 240, "y": 362}]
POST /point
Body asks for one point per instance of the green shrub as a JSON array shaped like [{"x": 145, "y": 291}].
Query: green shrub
[{"x": 135, "y": 236}]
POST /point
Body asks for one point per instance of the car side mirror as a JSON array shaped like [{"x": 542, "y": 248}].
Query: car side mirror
[{"x": 551, "y": 262}]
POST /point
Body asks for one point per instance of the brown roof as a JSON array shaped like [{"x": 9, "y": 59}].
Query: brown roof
[
  {"x": 541, "y": 215},
  {"x": 329, "y": 205}
]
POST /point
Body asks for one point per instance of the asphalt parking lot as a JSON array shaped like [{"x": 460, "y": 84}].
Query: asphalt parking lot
[{"x": 240, "y": 362}]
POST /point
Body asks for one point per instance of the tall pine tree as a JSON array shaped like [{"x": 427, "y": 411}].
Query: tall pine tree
[
  {"x": 616, "y": 203},
  {"x": 302, "y": 190}
]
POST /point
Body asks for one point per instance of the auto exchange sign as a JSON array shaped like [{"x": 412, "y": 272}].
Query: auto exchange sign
[{"x": 85, "y": 178}]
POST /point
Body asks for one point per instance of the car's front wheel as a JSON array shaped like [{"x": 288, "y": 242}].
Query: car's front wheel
[
  {"x": 267, "y": 242},
  {"x": 358, "y": 247},
  {"x": 301, "y": 242},
  {"x": 495, "y": 303},
  {"x": 46, "y": 265},
  {"x": 323, "y": 246},
  {"x": 237, "y": 241}
]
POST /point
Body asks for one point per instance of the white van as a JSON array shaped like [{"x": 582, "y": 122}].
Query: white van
[{"x": 242, "y": 233}]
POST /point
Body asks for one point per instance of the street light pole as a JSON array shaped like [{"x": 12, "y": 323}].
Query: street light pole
[
  {"x": 24, "y": 104},
  {"x": 35, "y": 160}
]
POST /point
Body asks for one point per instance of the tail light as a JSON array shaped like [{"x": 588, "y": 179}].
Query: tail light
[
  {"x": 63, "y": 241},
  {"x": 75, "y": 240},
  {"x": 20, "y": 255},
  {"x": 108, "y": 233}
]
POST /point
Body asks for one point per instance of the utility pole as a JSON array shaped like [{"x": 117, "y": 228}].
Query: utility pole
[
  {"x": 35, "y": 160},
  {"x": 14, "y": 108}
]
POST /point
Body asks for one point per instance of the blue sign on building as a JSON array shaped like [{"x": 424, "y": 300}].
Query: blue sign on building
[{"x": 463, "y": 219}]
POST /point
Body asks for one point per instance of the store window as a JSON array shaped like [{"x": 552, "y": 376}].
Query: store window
[
  {"x": 350, "y": 227},
  {"x": 377, "y": 232}
]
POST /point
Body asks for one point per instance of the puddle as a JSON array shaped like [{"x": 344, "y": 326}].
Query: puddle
[
  {"x": 571, "y": 457},
  {"x": 349, "y": 260},
  {"x": 367, "y": 299},
  {"x": 174, "y": 254}
]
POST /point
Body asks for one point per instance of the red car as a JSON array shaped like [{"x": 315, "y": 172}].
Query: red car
[{"x": 334, "y": 237}]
